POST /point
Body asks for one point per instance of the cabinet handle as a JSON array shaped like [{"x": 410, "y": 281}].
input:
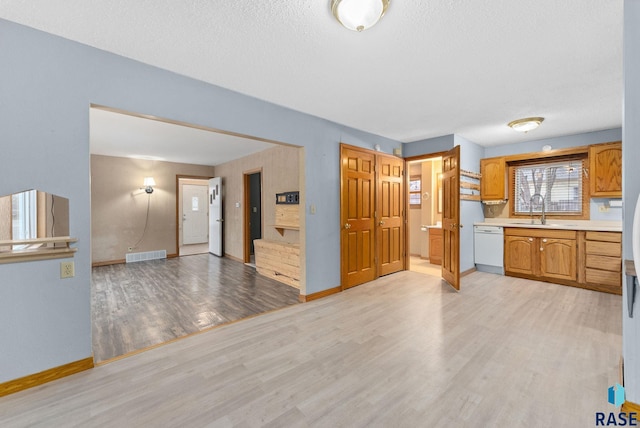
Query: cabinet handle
[
  {"x": 541, "y": 249},
  {"x": 530, "y": 239},
  {"x": 544, "y": 240}
]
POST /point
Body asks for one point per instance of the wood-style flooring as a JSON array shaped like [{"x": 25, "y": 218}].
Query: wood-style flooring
[
  {"x": 137, "y": 305},
  {"x": 416, "y": 264},
  {"x": 402, "y": 351}
]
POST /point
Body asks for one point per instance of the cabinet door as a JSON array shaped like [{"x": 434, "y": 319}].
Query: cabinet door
[
  {"x": 558, "y": 258},
  {"x": 520, "y": 254},
  {"x": 435, "y": 246},
  {"x": 493, "y": 181},
  {"x": 605, "y": 161}
]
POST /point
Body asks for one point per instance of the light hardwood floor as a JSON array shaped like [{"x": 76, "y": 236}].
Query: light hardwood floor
[
  {"x": 402, "y": 351},
  {"x": 416, "y": 264},
  {"x": 143, "y": 304}
]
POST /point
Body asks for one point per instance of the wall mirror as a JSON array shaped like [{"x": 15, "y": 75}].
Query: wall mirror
[{"x": 34, "y": 221}]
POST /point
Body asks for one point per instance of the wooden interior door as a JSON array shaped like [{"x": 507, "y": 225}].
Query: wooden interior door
[
  {"x": 390, "y": 206},
  {"x": 451, "y": 217},
  {"x": 357, "y": 209}
]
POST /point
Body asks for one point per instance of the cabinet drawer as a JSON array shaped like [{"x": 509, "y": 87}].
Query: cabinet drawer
[
  {"x": 613, "y": 264},
  {"x": 604, "y": 236},
  {"x": 613, "y": 249},
  {"x": 604, "y": 277}
]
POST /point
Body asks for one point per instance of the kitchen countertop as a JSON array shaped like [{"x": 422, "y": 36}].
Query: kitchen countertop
[{"x": 594, "y": 225}]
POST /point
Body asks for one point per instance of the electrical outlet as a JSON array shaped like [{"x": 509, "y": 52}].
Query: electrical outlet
[
  {"x": 130, "y": 249},
  {"x": 67, "y": 270},
  {"x": 603, "y": 208}
]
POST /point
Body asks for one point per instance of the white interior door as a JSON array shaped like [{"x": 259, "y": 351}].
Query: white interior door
[
  {"x": 215, "y": 216},
  {"x": 195, "y": 214}
]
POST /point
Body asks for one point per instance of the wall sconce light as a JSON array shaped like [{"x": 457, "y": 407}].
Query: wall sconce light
[
  {"x": 358, "y": 15},
  {"x": 149, "y": 182}
]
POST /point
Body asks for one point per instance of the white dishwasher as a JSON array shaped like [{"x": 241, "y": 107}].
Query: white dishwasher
[{"x": 488, "y": 248}]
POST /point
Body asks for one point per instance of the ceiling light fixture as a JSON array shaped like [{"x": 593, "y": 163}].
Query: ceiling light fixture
[
  {"x": 358, "y": 15},
  {"x": 526, "y": 124}
]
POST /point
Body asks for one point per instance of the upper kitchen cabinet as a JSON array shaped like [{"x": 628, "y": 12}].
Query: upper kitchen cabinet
[
  {"x": 494, "y": 181},
  {"x": 605, "y": 161}
]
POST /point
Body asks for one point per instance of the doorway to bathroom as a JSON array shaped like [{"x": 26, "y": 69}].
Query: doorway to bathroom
[{"x": 425, "y": 215}]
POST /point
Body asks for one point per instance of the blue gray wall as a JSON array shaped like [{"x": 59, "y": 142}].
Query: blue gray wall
[
  {"x": 46, "y": 87},
  {"x": 470, "y": 211},
  {"x": 428, "y": 146},
  {"x": 631, "y": 188}
]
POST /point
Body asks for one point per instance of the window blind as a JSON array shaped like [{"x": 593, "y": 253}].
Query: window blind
[{"x": 559, "y": 183}]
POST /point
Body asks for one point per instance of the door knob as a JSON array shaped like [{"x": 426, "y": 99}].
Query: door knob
[
  {"x": 347, "y": 226},
  {"x": 381, "y": 222}
]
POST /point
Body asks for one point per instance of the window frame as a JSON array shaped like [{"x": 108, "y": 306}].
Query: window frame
[
  {"x": 582, "y": 157},
  {"x": 418, "y": 192}
]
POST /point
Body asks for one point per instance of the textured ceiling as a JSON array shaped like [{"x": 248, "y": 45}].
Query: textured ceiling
[{"x": 428, "y": 68}]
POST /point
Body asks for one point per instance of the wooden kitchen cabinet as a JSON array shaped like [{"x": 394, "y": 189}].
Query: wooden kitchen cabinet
[
  {"x": 519, "y": 254},
  {"x": 494, "y": 179},
  {"x": 558, "y": 258},
  {"x": 435, "y": 245},
  {"x": 603, "y": 261},
  {"x": 605, "y": 168},
  {"x": 543, "y": 254}
]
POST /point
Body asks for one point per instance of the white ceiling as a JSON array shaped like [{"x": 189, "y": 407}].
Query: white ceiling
[
  {"x": 428, "y": 68},
  {"x": 117, "y": 134}
]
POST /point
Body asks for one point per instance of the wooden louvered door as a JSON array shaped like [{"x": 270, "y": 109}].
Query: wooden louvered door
[
  {"x": 357, "y": 209},
  {"x": 390, "y": 206}
]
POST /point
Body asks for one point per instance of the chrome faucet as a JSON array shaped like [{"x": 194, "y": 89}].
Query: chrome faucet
[{"x": 542, "y": 220}]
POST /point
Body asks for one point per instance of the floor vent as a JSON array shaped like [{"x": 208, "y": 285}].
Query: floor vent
[{"x": 147, "y": 255}]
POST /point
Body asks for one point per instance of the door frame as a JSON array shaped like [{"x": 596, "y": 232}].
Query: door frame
[
  {"x": 179, "y": 201},
  {"x": 407, "y": 256},
  {"x": 405, "y": 248},
  {"x": 246, "y": 212}
]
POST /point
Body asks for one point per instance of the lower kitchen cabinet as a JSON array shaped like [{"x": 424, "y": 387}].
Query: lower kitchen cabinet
[
  {"x": 588, "y": 259},
  {"x": 558, "y": 258},
  {"x": 520, "y": 254},
  {"x": 541, "y": 253},
  {"x": 603, "y": 261}
]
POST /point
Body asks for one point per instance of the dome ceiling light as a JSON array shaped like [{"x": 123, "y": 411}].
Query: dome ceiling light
[
  {"x": 358, "y": 15},
  {"x": 525, "y": 125}
]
